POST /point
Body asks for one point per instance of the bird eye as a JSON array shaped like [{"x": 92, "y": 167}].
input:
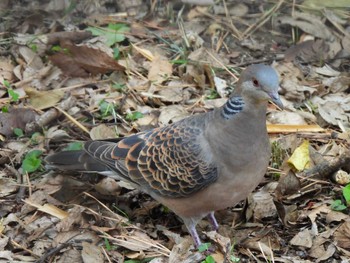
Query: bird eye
[{"x": 255, "y": 82}]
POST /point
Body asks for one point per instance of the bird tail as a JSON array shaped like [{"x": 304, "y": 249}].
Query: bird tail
[{"x": 73, "y": 160}]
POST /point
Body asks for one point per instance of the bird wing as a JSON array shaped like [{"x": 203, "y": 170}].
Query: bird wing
[{"x": 169, "y": 161}]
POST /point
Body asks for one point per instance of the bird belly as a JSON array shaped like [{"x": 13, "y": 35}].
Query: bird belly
[{"x": 230, "y": 188}]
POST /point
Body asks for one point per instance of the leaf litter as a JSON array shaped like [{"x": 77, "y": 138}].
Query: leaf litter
[{"x": 98, "y": 72}]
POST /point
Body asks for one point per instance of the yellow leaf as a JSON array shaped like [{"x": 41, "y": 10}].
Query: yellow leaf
[
  {"x": 49, "y": 209},
  {"x": 300, "y": 158},
  {"x": 144, "y": 52}
]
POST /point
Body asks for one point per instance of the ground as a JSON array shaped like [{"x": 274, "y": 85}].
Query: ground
[{"x": 73, "y": 71}]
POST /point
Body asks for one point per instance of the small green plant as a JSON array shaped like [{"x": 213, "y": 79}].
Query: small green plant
[
  {"x": 277, "y": 155},
  {"x": 5, "y": 109},
  {"x": 213, "y": 95},
  {"x": 134, "y": 116},
  {"x": 346, "y": 194},
  {"x": 107, "y": 108},
  {"x": 204, "y": 247},
  {"x": 233, "y": 258},
  {"x": 14, "y": 95},
  {"x": 114, "y": 33},
  {"x": 31, "y": 161},
  {"x": 119, "y": 87},
  {"x": 337, "y": 205},
  {"x": 116, "y": 53},
  {"x": 209, "y": 259},
  {"x": 34, "y": 47},
  {"x": 36, "y": 138},
  {"x": 179, "y": 61},
  {"x": 74, "y": 146},
  {"x": 120, "y": 211},
  {"x": 108, "y": 245},
  {"x": 18, "y": 132}
]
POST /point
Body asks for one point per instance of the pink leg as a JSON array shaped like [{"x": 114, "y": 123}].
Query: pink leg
[{"x": 213, "y": 221}]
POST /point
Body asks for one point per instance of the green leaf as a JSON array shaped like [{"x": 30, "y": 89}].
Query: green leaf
[
  {"x": 134, "y": 116},
  {"x": 119, "y": 87},
  {"x": 346, "y": 193},
  {"x": 34, "y": 47},
  {"x": 204, "y": 247},
  {"x": 114, "y": 33},
  {"x": 179, "y": 61},
  {"x": 234, "y": 258},
  {"x": 18, "y": 132},
  {"x": 31, "y": 162},
  {"x": 14, "y": 95},
  {"x": 36, "y": 138},
  {"x": 106, "y": 108},
  {"x": 107, "y": 244},
  {"x": 5, "y": 109},
  {"x": 213, "y": 95},
  {"x": 116, "y": 53},
  {"x": 337, "y": 205},
  {"x": 74, "y": 146},
  {"x": 6, "y": 84},
  {"x": 209, "y": 259},
  {"x": 56, "y": 48}
]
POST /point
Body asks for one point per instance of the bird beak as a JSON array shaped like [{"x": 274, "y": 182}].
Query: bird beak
[{"x": 275, "y": 99}]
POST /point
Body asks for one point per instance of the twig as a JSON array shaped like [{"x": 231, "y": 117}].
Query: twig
[
  {"x": 326, "y": 169},
  {"x": 265, "y": 17}
]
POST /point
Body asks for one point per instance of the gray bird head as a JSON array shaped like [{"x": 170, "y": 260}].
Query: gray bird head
[{"x": 260, "y": 82}]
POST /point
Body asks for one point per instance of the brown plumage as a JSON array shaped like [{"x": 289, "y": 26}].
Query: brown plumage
[{"x": 198, "y": 165}]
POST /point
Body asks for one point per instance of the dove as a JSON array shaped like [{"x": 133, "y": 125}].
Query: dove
[{"x": 198, "y": 165}]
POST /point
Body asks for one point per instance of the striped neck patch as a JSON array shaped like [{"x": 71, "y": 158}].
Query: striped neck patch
[{"x": 233, "y": 106}]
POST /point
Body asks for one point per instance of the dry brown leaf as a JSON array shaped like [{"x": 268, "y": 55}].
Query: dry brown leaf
[
  {"x": 308, "y": 51},
  {"x": 182, "y": 252},
  {"x": 342, "y": 235},
  {"x": 76, "y": 235},
  {"x": 318, "y": 210},
  {"x": 6, "y": 71},
  {"x": 80, "y": 61},
  {"x": 70, "y": 255},
  {"x": 334, "y": 109},
  {"x": 8, "y": 186},
  {"x": 308, "y": 23},
  {"x": 43, "y": 99},
  {"x": 160, "y": 69},
  {"x": 91, "y": 253},
  {"x": 208, "y": 56},
  {"x": 74, "y": 216},
  {"x": 286, "y": 117},
  {"x": 108, "y": 186},
  {"x": 335, "y": 216},
  {"x": 102, "y": 131},
  {"x": 171, "y": 114},
  {"x": 16, "y": 118},
  {"x": 261, "y": 205},
  {"x": 302, "y": 239},
  {"x": 171, "y": 94},
  {"x": 287, "y": 184}
]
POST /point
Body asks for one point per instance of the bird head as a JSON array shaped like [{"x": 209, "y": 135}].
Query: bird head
[{"x": 260, "y": 83}]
